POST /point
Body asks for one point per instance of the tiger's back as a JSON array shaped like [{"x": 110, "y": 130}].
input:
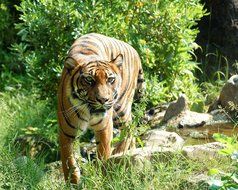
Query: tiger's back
[{"x": 116, "y": 73}]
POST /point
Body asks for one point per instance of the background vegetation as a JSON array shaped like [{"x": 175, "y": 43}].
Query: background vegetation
[{"x": 34, "y": 39}]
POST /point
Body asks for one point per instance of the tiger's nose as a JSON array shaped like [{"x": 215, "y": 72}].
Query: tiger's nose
[{"x": 102, "y": 100}]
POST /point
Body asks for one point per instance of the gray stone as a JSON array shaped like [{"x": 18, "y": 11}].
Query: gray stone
[
  {"x": 229, "y": 93},
  {"x": 202, "y": 125},
  {"x": 228, "y": 98},
  {"x": 194, "y": 119},
  {"x": 204, "y": 151},
  {"x": 163, "y": 139},
  {"x": 144, "y": 152},
  {"x": 176, "y": 108},
  {"x": 156, "y": 141}
]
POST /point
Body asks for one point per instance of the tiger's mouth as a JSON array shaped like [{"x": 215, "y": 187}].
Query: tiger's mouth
[
  {"x": 98, "y": 111},
  {"x": 95, "y": 109}
]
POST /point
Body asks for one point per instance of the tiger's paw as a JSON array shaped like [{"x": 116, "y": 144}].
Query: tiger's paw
[{"x": 75, "y": 177}]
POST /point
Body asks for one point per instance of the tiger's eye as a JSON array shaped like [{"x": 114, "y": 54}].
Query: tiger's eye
[
  {"x": 89, "y": 80},
  {"x": 111, "y": 80}
]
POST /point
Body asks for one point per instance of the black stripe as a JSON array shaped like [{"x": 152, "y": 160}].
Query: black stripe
[
  {"x": 68, "y": 123},
  {"x": 140, "y": 71},
  {"x": 113, "y": 47},
  {"x": 88, "y": 42},
  {"x": 72, "y": 47},
  {"x": 72, "y": 79},
  {"x": 67, "y": 135},
  {"x": 75, "y": 95},
  {"x": 117, "y": 108},
  {"x": 122, "y": 95},
  {"x": 91, "y": 66},
  {"x": 77, "y": 82},
  {"x": 121, "y": 114},
  {"x": 89, "y": 49},
  {"x": 115, "y": 95},
  {"x": 103, "y": 63},
  {"x": 97, "y": 122},
  {"x": 62, "y": 107},
  {"x": 78, "y": 115},
  {"x": 102, "y": 42},
  {"x": 140, "y": 80}
]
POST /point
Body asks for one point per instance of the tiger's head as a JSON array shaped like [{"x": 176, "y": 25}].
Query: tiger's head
[{"x": 94, "y": 83}]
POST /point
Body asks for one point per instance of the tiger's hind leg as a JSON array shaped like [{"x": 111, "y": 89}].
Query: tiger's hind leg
[
  {"x": 127, "y": 143},
  {"x": 129, "y": 140},
  {"x": 124, "y": 145}
]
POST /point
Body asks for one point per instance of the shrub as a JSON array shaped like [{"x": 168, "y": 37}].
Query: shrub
[
  {"x": 8, "y": 16},
  {"x": 161, "y": 31}
]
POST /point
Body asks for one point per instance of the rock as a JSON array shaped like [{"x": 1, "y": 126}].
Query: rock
[
  {"x": 194, "y": 119},
  {"x": 195, "y": 152},
  {"x": 176, "y": 108},
  {"x": 199, "y": 134},
  {"x": 163, "y": 139},
  {"x": 156, "y": 142},
  {"x": 203, "y": 152},
  {"x": 229, "y": 93},
  {"x": 228, "y": 98},
  {"x": 143, "y": 153},
  {"x": 201, "y": 125}
]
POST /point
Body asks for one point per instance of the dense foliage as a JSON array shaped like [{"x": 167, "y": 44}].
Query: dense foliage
[
  {"x": 161, "y": 31},
  {"x": 8, "y": 36}
]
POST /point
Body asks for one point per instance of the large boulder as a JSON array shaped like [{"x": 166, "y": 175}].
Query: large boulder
[{"x": 228, "y": 98}]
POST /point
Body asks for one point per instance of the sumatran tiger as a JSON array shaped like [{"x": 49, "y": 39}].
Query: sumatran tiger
[{"x": 100, "y": 78}]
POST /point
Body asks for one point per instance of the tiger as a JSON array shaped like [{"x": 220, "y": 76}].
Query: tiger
[{"x": 100, "y": 79}]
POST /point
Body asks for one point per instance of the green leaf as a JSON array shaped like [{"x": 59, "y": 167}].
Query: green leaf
[{"x": 213, "y": 171}]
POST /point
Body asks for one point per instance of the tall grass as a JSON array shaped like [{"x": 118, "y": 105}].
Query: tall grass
[{"x": 22, "y": 172}]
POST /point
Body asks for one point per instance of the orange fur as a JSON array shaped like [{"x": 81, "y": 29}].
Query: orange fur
[{"x": 98, "y": 83}]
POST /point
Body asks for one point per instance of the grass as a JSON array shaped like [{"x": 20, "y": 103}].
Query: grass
[{"x": 23, "y": 110}]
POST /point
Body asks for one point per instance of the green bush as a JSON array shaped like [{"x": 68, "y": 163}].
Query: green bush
[
  {"x": 8, "y": 16},
  {"x": 161, "y": 31}
]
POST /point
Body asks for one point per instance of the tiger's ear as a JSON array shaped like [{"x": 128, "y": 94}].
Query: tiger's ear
[
  {"x": 70, "y": 63},
  {"x": 118, "y": 60}
]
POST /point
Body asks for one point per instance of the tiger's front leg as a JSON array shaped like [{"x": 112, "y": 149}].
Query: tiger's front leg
[
  {"x": 70, "y": 168},
  {"x": 103, "y": 140}
]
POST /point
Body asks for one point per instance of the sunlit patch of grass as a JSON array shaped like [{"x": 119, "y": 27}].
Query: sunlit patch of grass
[
  {"x": 162, "y": 172},
  {"x": 26, "y": 114},
  {"x": 16, "y": 172}
]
